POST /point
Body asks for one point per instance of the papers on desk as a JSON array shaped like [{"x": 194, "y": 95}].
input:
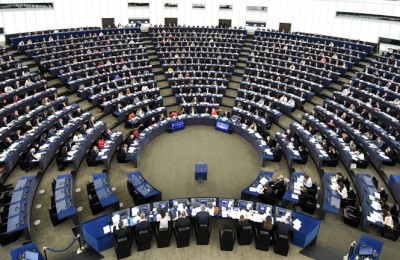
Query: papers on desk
[
  {"x": 263, "y": 180},
  {"x": 375, "y": 217},
  {"x": 297, "y": 224},
  {"x": 253, "y": 189},
  {"x": 257, "y": 218},
  {"x": 268, "y": 151},
  {"x": 376, "y": 206},
  {"x": 295, "y": 196},
  {"x": 377, "y": 195},
  {"x": 106, "y": 229}
]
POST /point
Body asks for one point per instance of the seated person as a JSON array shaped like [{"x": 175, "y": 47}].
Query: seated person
[
  {"x": 242, "y": 222},
  {"x": 283, "y": 227},
  {"x": 303, "y": 197},
  {"x": 379, "y": 142},
  {"x": 278, "y": 184},
  {"x": 269, "y": 226},
  {"x": 339, "y": 177},
  {"x": 203, "y": 216},
  {"x": 276, "y": 151},
  {"x": 121, "y": 231},
  {"x": 143, "y": 223},
  {"x": 136, "y": 132},
  {"x": 318, "y": 137},
  {"x": 307, "y": 181},
  {"x": 268, "y": 195},
  {"x": 163, "y": 219},
  {"x": 92, "y": 155},
  {"x": 32, "y": 158},
  {"x": 121, "y": 155},
  {"x": 183, "y": 221},
  {"x": 332, "y": 153},
  {"x": 342, "y": 190},
  {"x": 387, "y": 220}
]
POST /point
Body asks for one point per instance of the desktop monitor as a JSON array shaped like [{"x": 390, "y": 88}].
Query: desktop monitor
[
  {"x": 262, "y": 208},
  {"x": 224, "y": 203},
  {"x": 222, "y": 126},
  {"x": 177, "y": 125},
  {"x": 123, "y": 214},
  {"x": 163, "y": 205},
  {"x": 243, "y": 205},
  {"x": 365, "y": 251},
  {"x": 143, "y": 209},
  {"x": 281, "y": 212},
  {"x": 203, "y": 201}
]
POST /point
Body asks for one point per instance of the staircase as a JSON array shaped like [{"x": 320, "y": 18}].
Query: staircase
[
  {"x": 169, "y": 99},
  {"x": 228, "y": 101}
]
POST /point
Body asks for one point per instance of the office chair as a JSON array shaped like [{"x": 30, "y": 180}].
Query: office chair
[
  {"x": 332, "y": 163},
  {"x": 203, "y": 232},
  {"x": 392, "y": 234},
  {"x": 182, "y": 236},
  {"x": 313, "y": 190},
  {"x": 163, "y": 237},
  {"x": 226, "y": 239},
  {"x": 263, "y": 239},
  {"x": 282, "y": 244},
  {"x": 375, "y": 181},
  {"x": 310, "y": 206},
  {"x": 352, "y": 216},
  {"x": 123, "y": 246},
  {"x": 245, "y": 235},
  {"x": 392, "y": 162},
  {"x": 277, "y": 157},
  {"x": 143, "y": 239}
]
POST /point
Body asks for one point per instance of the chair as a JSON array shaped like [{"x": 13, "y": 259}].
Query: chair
[
  {"x": 121, "y": 158},
  {"x": 263, "y": 239},
  {"x": 310, "y": 206},
  {"x": 143, "y": 239},
  {"x": 95, "y": 205},
  {"x": 226, "y": 239},
  {"x": 352, "y": 216},
  {"x": 277, "y": 157},
  {"x": 391, "y": 234},
  {"x": 123, "y": 246},
  {"x": 182, "y": 236},
  {"x": 203, "y": 232},
  {"x": 163, "y": 237},
  {"x": 375, "y": 181},
  {"x": 332, "y": 163},
  {"x": 313, "y": 190},
  {"x": 91, "y": 162},
  {"x": 281, "y": 192},
  {"x": 282, "y": 244},
  {"x": 245, "y": 235}
]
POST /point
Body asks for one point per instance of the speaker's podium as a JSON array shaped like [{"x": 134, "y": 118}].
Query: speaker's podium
[
  {"x": 200, "y": 172},
  {"x": 122, "y": 243}
]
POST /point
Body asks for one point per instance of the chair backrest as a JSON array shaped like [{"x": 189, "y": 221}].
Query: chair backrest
[{"x": 226, "y": 233}]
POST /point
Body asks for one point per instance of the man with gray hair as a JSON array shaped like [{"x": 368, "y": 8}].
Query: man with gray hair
[{"x": 203, "y": 216}]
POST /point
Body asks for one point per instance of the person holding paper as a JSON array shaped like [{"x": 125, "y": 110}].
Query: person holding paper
[
  {"x": 342, "y": 190},
  {"x": 387, "y": 220}
]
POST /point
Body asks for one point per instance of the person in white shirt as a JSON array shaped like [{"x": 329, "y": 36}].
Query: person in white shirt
[
  {"x": 387, "y": 220},
  {"x": 283, "y": 99},
  {"x": 164, "y": 219},
  {"x": 307, "y": 181},
  {"x": 291, "y": 102},
  {"x": 342, "y": 190}
]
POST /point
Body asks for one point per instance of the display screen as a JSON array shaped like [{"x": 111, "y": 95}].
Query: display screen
[
  {"x": 222, "y": 126},
  {"x": 178, "y": 125},
  {"x": 261, "y": 208},
  {"x": 224, "y": 203},
  {"x": 243, "y": 204},
  {"x": 163, "y": 205}
]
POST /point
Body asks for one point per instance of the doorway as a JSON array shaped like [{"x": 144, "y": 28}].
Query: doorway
[
  {"x": 285, "y": 27},
  {"x": 171, "y": 21},
  {"x": 107, "y": 22},
  {"x": 225, "y": 23}
]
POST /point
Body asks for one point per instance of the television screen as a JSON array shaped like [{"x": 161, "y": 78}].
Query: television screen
[
  {"x": 222, "y": 126},
  {"x": 281, "y": 212},
  {"x": 177, "y": 125}
]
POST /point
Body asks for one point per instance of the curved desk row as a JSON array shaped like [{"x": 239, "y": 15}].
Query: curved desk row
[
  {"x": 111, "y": 145},
  {"x": 96, "y": 232},
  {"x": 64, "y": 202},
  {"x": 20, "y": 206},
  {"x": 150, "y": 133}
]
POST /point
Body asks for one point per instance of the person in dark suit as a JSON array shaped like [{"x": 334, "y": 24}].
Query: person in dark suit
[
  {"x": 60, "y": 124},
  {"x": 143, "y": 223},
  {"x": 52, "y": 131},
  {"x": 69, "y": 144},
  {"x": 268, "y": 195},
  {"x": 130, "y": 139},
  {"x": 183, "y": 221},
  {"x": 43, "y": 139},
  {"x": 32, "y": 159},
  {"x": 242, "y": 222},
  {"x": 107, "y": 135},
  {"x": 283, "y": 228},
  {"x": 121, "y": 232},
  {"x": 303, "y": 197},
  {"x": 121, "y": 154},
  {"x": 203, "y": 216},
  {"x": 83, "y": 129},
  {"x": 91, "y": 157},
  {"x": 278, "y": 184},
  {"x": 276, "y": 151}
]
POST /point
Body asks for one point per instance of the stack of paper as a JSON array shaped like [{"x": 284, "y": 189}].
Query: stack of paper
[{"x": 297, "y": 224}]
